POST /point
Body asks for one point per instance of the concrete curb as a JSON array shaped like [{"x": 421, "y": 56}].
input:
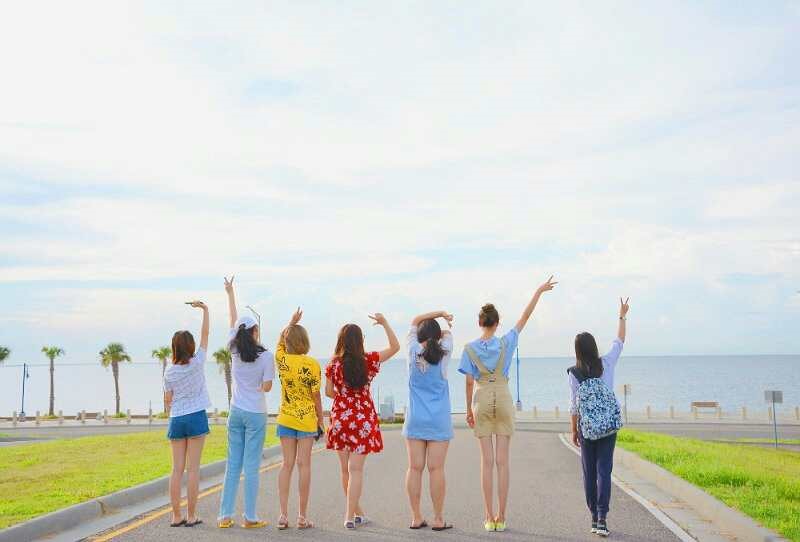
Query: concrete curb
[
  {"x": 708, "y": 506},
  {"x": 68, "y": 518}
]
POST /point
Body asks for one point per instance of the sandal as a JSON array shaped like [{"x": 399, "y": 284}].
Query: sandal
[
  {"x": 350, "y": 525},
  {"x": 500, "y": 526},
  {"x": 283, "y": 523},
  {"x": 303, "y": 523},
  {"x": 225, "y": 523},
  {"x": 193, "y": 523},
  {"x": 444, "y": 527},
  {"x": 361, "y": 520},
  {"x": 422, "y": 525},
  {"x": 489, "y": 525},
  {"x": 181, "y": 523},
  {"x": 254, "y": 524}
]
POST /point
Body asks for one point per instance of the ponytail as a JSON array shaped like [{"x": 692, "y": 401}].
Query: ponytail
[{"x": 430, "y": 333}]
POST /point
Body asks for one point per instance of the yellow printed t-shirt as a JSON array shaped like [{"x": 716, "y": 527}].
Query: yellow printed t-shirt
[{"x": 300, "y": 379}]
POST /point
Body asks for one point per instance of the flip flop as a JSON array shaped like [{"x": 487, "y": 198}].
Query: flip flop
[
  {"x": 443, "y": 527},
  {"x": 181, "y": 523},
  {"x": 226, "y": 523},
  {"x": 420, "y": 526},
  {"x": 195, "y": 522},
  {"x": 254, "y": 524}
]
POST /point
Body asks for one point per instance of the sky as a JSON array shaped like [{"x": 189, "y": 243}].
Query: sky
[{"x": 354, "y": 157}]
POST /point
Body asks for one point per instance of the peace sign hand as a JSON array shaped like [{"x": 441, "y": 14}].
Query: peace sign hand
[
  {"x": 298, "y": 314},
  {"x": 547, "y": 286},
  {"x": 228, "y": 284},
  {"x": 623, "y": 307}
]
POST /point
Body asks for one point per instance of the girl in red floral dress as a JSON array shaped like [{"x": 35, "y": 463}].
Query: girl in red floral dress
[{"x": 355, "y": 428}]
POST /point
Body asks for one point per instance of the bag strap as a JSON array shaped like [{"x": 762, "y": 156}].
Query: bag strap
[{"x": 578, "y": 374}]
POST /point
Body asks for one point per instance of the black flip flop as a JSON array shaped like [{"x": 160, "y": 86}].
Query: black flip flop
[
  {"x": 420, "y": 526},
  {"x": 195, "y": 522},
  {"x": 443, "y": 527},
  {"x": 181, "y": 523}
]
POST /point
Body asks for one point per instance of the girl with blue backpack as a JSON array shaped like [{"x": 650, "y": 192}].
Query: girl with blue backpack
[{"x": 596, "y": 417}]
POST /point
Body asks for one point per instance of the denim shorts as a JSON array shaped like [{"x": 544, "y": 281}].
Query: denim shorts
[
  {"x": 188, "y": 426},
  {"x": 288, "y": 432}
]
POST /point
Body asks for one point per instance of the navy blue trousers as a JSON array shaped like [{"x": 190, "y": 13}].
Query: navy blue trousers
[{"x": 597, "y": 458}]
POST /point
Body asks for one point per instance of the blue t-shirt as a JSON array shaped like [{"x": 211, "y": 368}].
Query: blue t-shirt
[{"x": 489, "y": 354}]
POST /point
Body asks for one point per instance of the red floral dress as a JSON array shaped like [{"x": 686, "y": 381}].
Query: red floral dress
[{"x": 354, "y": 425}]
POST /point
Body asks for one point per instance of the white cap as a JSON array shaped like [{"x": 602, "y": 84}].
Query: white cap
[{"x": 247, "y": 321}]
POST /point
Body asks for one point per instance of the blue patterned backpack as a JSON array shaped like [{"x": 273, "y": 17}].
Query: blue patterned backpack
[{"x": 598, "y": 408}]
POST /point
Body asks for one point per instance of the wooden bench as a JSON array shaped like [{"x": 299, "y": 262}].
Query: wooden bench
[{"x": 697, "y": 405}]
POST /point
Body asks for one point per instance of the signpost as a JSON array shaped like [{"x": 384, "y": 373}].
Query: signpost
[
  {"x": 774, "y": 396},
  {"x": 626, "y": 390}
]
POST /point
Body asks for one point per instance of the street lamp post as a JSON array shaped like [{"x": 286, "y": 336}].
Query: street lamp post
[
  {"x": 258, "y": 316},
  {"x": 25, "y": 375},
  {"x": 519, "y": 403}
]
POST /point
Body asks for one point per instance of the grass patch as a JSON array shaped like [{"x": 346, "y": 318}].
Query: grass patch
[
  {"x": 762, "y": 483},
  {"x": 43, "y": 477}
]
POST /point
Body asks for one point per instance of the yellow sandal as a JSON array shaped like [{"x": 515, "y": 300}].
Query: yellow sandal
[
  {"x": 254, "y": 524},
  {"x": 226, "y": 523}
]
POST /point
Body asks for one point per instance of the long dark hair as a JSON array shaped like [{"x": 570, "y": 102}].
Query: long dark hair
[
  {"x": 245, "y": 344},
  {"x": 589, "y": 362},
  {"x": 430, "y": 333},
  {"x": 350, "y": 349}
]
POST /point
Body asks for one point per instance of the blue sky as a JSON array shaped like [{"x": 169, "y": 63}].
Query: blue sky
[{"x": 401, "y": 158}]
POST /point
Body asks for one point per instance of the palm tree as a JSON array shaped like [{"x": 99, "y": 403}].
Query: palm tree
[
  {"x": 4, "y": 353},
  {"x": 223, "y": 359},
  {"x": 112, "y": 355},
  {"x": 161, "y": 354},
  {"x": 52, "y": 352}
]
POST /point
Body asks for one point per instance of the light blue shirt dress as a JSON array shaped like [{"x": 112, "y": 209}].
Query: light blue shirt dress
[{"x": 428, "y": 416}]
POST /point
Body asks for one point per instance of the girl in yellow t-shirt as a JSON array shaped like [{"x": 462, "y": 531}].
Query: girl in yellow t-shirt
[{"x": 300, "y": 415}]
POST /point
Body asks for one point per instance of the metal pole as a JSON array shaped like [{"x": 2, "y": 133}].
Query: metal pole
[
  {"x": 24, "y": 377},
  {"x": 625, "y": 389},
  {"x": 775, "y": 423}
]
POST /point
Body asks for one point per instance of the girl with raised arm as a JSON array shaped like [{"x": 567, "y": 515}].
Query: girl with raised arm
[
  {"x": 186, "y": 399},
  {"x": 486, "y": 362},
  {"x": 300, "y": 416},
  {"x": 252, "y": 369},
  {"x": 595, "y": 416},
  {"x": 355, "y": 427},
  {"x": 428, "y": 427}
]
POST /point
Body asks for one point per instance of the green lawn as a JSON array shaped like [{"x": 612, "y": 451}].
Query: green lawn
[
  {"x": 762, "y": 483},
  {"x": 46, "y": 476}
]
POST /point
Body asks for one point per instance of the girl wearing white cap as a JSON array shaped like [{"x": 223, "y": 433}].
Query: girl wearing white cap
[{"x": 253, "y": 370}]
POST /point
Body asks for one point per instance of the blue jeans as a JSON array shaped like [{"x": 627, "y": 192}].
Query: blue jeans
[
  {"x": 246, "y": 431},
  {"x": 597, "y": 458}
]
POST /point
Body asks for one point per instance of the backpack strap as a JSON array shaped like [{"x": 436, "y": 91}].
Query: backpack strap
[{"x": 578, "y": 374}]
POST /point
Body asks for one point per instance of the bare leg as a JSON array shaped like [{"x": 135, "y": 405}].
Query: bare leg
[
  {"x": 487, "y": 476},
  {"x": 437, "y": 453},
  {"x": 304, "y": 446},
  {"x": 344, "y": 460},
  {"x": 289, "y": 449},
  {"x": 356, "y": 482},
  {"x": 416, "y": 464},
  {"x": 178, "y": 465},
  {"x": 194, "y": 450},
  {"x": 503, "y": 445}
]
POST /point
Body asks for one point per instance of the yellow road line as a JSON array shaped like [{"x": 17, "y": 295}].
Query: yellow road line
[{"x": 155, "y": 514}]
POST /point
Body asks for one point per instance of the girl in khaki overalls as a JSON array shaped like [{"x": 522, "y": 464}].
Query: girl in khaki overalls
[{"x": 490, "y": 410}]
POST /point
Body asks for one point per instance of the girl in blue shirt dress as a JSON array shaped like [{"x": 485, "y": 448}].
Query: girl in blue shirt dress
[{"x": 428, "y": 426}]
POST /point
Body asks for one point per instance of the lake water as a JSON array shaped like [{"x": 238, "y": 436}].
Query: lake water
[{"x": 658, "y": 381}]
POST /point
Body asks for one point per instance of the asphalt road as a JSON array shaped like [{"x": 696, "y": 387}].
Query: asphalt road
[{"x": 545, "y": 503}]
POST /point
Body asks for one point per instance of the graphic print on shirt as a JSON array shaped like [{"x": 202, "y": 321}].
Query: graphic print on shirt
[{"x": 300, "y": 378}]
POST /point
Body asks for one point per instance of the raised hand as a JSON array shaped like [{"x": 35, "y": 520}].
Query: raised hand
[
  {"x": 197, "y": 304},
  {"x": 623, "y": 307},
  {"x": 228, "y": 284},
  {"x": 298, "y": 314},
  {"x": 547, "y": 286},
  {"x": 448, "y": 318},
  {"x": 378, "y": 319}
]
